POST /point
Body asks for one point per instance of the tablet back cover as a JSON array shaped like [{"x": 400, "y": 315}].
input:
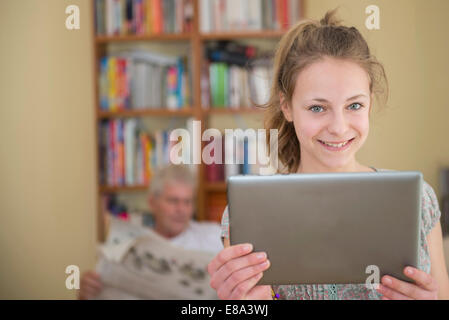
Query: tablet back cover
[{"x": 327, "y": 228}]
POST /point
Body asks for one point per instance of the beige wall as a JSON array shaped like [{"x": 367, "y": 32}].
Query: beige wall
[
  {"x": 47, "y": 167},
  {"x": 47, "y": 188}
]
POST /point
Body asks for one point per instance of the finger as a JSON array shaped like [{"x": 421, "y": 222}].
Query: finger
[
  {"x": 88, "y": 293},
  {"x": 227, "y": 254},
  {"x": 225, "y": 290},
  {"x": 244, "y": 287},
  {"x": 410, "y": 290},
  {"x": 390, "y": 294},
  {"x": 92, "y": 283},
  {"x": 421, "y": 278},
  {"x": 234, "y": 265},
  {"x": 91, "y": 275}
]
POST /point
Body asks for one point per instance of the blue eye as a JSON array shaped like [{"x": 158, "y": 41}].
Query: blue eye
[
  {"x": 314, "y": 108},
  {"x": 355, "y": 104}
]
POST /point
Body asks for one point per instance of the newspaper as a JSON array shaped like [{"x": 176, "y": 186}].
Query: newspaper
[{"x": 137, "y": 263}]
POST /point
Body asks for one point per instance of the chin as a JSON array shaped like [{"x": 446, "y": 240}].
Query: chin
[{"x": 336, "y": 166}]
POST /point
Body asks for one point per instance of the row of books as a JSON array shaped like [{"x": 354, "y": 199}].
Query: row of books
[
  {"x": 123, "y": 17},
  {"x": 240, "y": 162},
  {"x": 232, "y": 86},
  {"x": 229, "y": 15},
  {"x": 129, "y": 154},
  {"x": 142, "y": 79},
  {"x": 123, "y": 210}
]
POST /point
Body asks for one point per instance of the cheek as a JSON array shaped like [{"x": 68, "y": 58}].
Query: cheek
[
  {"x": 307, "y": 128},
  {"x": 361, "y": 124}
]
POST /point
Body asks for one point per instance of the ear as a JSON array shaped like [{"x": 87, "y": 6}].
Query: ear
[{"x": 285, "y": 108}]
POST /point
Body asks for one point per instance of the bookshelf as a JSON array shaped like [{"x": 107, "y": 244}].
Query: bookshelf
[{"x": 208, "y": 193}]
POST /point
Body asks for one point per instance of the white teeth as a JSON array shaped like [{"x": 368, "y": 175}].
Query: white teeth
[{"x": 336, "y": 145}]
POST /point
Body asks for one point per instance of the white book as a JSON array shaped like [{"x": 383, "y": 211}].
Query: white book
[
  {"x": 158, "y": 148},
  {"x": 234, "y": 87},
  {"x": 254, "y": 14},
  {"x": 109, "y": 13},
  {"x": 293, "y": 10},
  {"x": 260, "y": 84},
  {"x": 117, "y": 17},
  {"x": 244, "y": 14},
  {"x": 130, "y": 144},
  {"x": 138, "y": 83},
  {"x": 217, "y": 15},
  {"x": 150, "y": 57},
  {"x": 148, "y": 90},
  {"x": 205, "y": 16},
  {"x": 233, "y": 14},
  {"x": 178, "y": 16},
  {"x": 245, "y": 93},
  {"x": 157, "y": 86}
]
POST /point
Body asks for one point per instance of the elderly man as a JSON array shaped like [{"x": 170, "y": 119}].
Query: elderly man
[{"x": 171, "y": 199}]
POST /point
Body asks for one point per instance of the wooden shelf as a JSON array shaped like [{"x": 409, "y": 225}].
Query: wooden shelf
[
  {"x": 111, "y": 189},
  {"x": 215, "y": 186},
  {"x": 185, "y": 112},
  {"x": 144, "y": 37},
  {"x": 229, "y": 35},
  {"x": 226, "y": 110}
]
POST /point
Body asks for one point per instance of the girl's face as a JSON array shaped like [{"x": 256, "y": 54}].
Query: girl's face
[{"x": 330, "y": 112}]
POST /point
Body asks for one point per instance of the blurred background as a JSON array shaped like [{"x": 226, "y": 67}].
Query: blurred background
[{"x": 62, "y": 91}]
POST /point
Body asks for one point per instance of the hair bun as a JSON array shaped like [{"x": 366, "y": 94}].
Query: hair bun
[{"x": 330, "y": 19}]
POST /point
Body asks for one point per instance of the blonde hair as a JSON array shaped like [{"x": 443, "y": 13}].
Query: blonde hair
[
  {"x": 168, "y": 174},
  {"x": 305, "y": 43}
]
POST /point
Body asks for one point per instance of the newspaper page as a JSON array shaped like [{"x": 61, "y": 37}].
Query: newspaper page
[{"x": 137, "y": 263}]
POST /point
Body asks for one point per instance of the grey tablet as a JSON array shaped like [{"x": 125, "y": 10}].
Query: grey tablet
[{"x": 327, "y": 228}]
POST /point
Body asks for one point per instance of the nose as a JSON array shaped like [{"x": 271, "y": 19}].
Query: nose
[{"x": 338, "y": 124}]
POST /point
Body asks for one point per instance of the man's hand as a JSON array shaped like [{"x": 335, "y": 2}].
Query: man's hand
[{"x": 90, "y": 285}]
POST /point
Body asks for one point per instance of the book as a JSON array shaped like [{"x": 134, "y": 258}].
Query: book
[
  {"x": 121, "y": 17},
  {"x": 141, "y": 80},
  {"x": 252, "y": 15}
]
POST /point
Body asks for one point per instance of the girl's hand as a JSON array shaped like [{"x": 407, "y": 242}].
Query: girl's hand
[
  {"x": 425, "y": 287},
  {"x": 235, "y": 272}
]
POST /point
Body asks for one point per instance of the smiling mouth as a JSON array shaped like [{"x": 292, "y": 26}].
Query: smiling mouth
[{"x": 336, "y": 145}]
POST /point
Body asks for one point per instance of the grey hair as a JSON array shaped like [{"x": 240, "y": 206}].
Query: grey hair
[{"x": 170, "y": 173}]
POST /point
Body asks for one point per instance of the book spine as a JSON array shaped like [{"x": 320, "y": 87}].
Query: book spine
[{"x": 171, "y": 87}]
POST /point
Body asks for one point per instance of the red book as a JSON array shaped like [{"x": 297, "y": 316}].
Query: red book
[
  {"x": 121, "y": 154},
  {"x": 160, "y": 26},
  {"x": 112, "y": 141},
  {"x": 157, "y": 16},
  {"x": 283, "y": 8}
]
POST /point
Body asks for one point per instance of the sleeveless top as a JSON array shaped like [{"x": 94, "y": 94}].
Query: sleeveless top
[{"x": 430, "y": 215}]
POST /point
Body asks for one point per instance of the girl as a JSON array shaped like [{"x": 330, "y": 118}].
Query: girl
[{"x": 325, "y": 80}]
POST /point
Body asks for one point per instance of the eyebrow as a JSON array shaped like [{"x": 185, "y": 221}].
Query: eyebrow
[{"x": 351, "y": 98}]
